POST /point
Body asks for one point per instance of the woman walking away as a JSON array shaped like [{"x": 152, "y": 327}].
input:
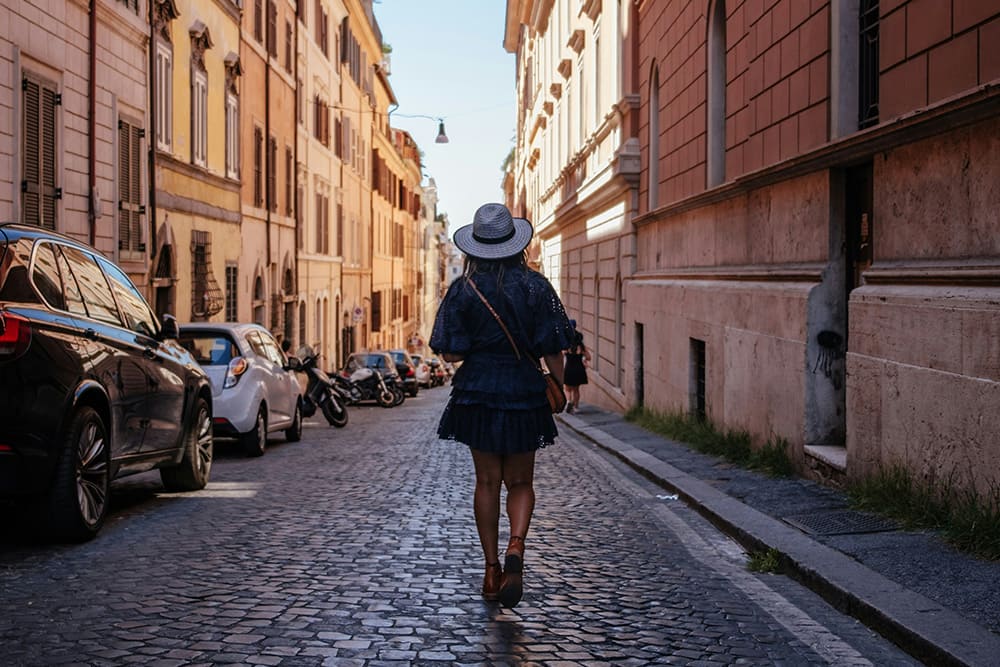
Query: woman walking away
[
  {"x": 498, "y": 319},
  {"x": 577, "y": 360}
]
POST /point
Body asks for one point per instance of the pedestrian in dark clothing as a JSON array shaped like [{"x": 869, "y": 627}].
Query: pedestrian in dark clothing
[
  {"x": 498, "y": 405},
  {"x": 575, "y": 374}
]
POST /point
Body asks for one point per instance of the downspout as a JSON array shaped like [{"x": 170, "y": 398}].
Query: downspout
[
  {"x": 151, "y": 141},
  {"x": 92, "y": 126},
  {"x": 295, "y": 162},
  {"x": 272, "y": 168}
]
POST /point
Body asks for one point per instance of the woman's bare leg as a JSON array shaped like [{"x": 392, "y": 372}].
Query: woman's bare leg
[
  {"x": 518, "y": 476},
  {"x": 486, "y": 501}
]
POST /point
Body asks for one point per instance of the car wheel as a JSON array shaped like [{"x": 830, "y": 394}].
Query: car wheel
[
  {"x": 294, "y": 432},
  {"x": 196, "y": 466},
  {"x": 78, "y": 502},
  {"x": 255, "y": 441},
  {"x": 414, "y": 391}
]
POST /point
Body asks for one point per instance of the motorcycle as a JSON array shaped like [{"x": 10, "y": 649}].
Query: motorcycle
[
  {"x": 366, "y": 384},
  {"x": 321, "y": 391}
]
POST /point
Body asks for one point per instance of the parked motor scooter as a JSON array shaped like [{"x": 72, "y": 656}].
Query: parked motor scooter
[
  {"x": 366, "y": 384},
  {"x": 321, "y": 391}
]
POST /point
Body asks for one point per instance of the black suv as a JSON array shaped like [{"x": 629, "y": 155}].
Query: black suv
[
  {"x": 407, "y": 371},
  {"x": 92, "y": 387}
]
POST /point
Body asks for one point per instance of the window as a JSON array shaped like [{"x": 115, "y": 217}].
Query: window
[
  {"x": 45, "y": 276},
  {"x": 322, "y": 224},
  {"x": 258, "y": 20},
  {"x": 199, "y": 118},
  {"x": 38, "y": 149},
  {"x": 164, "y": 95},
  {"x": 696, "y": 379},
  {"x": 138, "y": 316},
  {"x": 868, "y": 65},
  {"x": 206, "y": 297},
  {"x": 259, "y": 301},
  {"x": 232, "y": 290},
  {"x": 130, "y": 187},
  {"x": 272, "y": 29},
  {"x": 376, "y": 311},
  {"x": 272, "y": 174},
  {"x": 232, "y": 136},
  {"x": 289, "y": 38},
  {"x": 289, "y": 172},
  {"x": 339, "y": 250},
  {"x": 94, "y": 288},
  {"x": 597, "y": 75},
  {"x": 258, "y": 167},
  {"x": 653, "y": 170},
  {"x": 300, "y": 216},
  {"x": 716, "y": 153}
]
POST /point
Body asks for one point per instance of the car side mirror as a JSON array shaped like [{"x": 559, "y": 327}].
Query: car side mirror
[
  {"x": 293, "y": 364},
  {"x": 168, "y": 328}
]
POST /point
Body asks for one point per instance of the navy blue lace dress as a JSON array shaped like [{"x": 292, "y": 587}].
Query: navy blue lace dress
[{"x": 498, "y": 402}]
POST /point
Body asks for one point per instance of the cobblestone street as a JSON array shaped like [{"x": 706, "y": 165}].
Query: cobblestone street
[{"x": 357, "y": 547}]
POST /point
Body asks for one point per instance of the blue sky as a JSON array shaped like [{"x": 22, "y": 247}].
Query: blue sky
[{"x": 448, "y": 61}]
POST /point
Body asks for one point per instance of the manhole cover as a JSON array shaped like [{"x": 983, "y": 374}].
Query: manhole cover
[{"x": 840, "y": 522}]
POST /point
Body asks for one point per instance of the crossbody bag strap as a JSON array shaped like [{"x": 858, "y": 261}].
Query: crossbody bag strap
[{"x": 513, "y": 344}]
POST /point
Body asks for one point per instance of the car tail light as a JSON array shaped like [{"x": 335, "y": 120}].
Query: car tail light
[
  {"x": 237, "y": 367},
  {"x": 15, "y": 336},
  {"x": 409, "y": 372}
]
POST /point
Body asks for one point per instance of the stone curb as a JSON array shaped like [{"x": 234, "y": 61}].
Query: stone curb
[{"x": 920, "y": 626}]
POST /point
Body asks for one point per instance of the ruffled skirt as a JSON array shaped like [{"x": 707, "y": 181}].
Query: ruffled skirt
[{"x": 498, "y": 431}]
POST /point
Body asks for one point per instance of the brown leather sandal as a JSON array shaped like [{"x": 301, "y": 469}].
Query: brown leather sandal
[
  {"x": 491, "y": 581},
  {"x": 512, "y": 582}
]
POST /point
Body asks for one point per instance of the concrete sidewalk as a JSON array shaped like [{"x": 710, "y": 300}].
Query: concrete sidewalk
[{"x": 941, "y": 606}]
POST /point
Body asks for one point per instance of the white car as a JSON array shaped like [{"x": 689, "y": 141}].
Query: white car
[
  {"x": 423, "y": 370},
  {"x": 254, "y": 391}
]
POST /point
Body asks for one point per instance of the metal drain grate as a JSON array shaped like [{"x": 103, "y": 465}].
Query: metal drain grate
[{"x": 839, "y": 522}]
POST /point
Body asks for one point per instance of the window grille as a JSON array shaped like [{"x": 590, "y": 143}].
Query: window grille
[
  {"x": 697, "y": 379},
  {"x": 232, "y": 291},
  {"x": 206, "y": 297},
  {"x": 868, "y": 64}
]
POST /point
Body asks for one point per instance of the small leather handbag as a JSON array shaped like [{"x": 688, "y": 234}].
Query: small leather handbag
[{"x": 553, "y": 390}]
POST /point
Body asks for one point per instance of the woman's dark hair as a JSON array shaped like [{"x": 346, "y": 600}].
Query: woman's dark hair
[{"x": 479, "y": 265}]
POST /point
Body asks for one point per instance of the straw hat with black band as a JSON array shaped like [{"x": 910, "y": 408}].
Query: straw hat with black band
[{"x": 494, "y": 233}]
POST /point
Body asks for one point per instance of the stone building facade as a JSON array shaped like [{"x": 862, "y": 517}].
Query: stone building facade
[
  {"x": 815, "y": 240},
  {"x": 575, "y": 168}
]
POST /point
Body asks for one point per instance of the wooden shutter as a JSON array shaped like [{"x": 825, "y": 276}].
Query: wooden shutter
[
  {"x": 38, "y": 187},
  {"x": 129, "y": 186}
]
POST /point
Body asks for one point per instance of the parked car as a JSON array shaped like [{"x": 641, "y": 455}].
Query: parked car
[
  {"x": 254, "y": 389},
  {"x": 92, "y": 386},
  {"x": 423, "y": 370},
  {"x": 406, "y": 371}
]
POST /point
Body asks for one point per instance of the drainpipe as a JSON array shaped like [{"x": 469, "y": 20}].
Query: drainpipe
[
  {"x": 92, "y": 126},
  {"x": 267, "y": 153},
  {"x": 295, "y": 162},
  {"x": 151, "y": 143}
]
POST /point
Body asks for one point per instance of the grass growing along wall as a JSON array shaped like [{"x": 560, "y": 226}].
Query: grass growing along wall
[
  {"x": 703, "y": 436},
  {"x": 966, "y": 521}
]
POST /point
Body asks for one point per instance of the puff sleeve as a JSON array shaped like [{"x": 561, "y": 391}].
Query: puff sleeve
[
  {"x": 552, "y": 332},
  {"x": 450, "y": 332}
]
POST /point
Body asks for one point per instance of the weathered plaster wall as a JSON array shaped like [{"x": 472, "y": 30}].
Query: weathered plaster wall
[{"x": 924, "y": 359}]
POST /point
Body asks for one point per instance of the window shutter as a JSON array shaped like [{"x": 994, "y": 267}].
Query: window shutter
[{"x": 31, "y": 150}]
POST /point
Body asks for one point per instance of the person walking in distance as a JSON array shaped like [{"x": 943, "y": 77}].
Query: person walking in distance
[
  {"x": 497, "y": 319},
  {"x": 577, "y": 360}
]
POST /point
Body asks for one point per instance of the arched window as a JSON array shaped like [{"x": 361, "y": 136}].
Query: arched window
[
  {"x": 654, "y": 139},
  {"x": 716, "y": 149},
  {"x": 259, "y": 301}
]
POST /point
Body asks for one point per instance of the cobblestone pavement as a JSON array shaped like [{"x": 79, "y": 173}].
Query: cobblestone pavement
[{"x": 357, "y": 547}]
